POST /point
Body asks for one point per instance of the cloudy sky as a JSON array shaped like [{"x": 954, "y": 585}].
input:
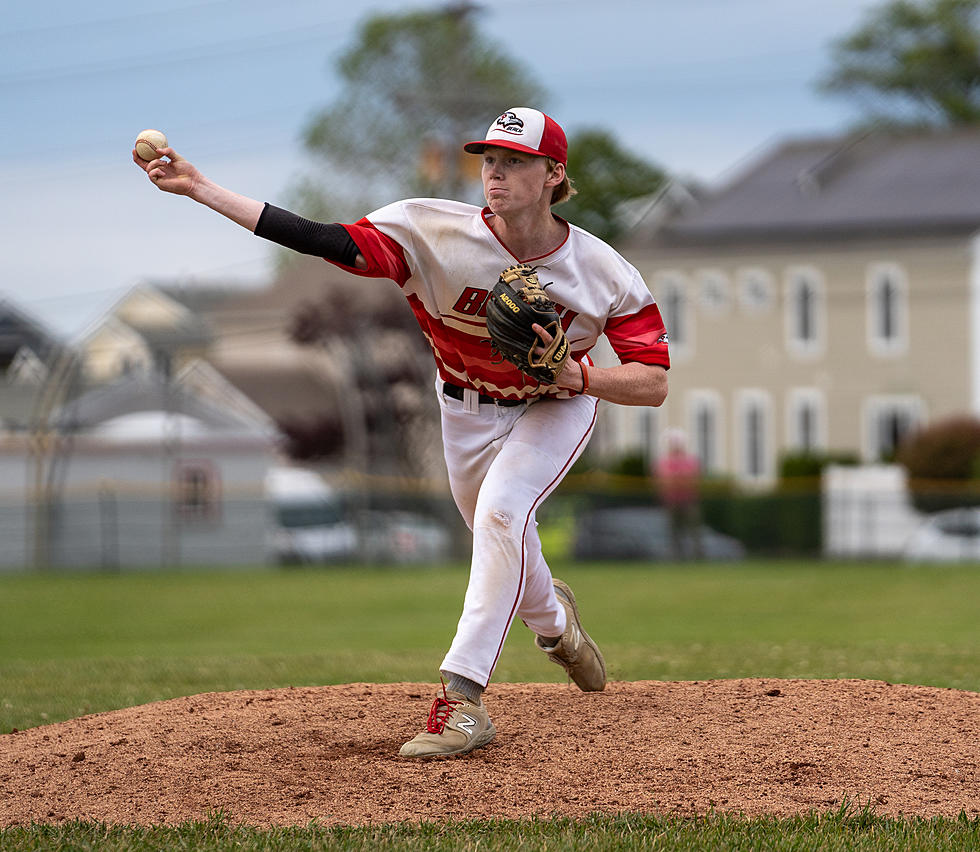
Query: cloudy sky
[{"x": 695, "y": 86}]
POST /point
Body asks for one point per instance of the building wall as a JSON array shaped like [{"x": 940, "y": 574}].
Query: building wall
[
  {"x": 123, "y": 506},
  {"x": 735, "y": 353}
]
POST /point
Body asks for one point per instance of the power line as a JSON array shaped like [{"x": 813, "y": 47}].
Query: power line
[
  {"x": 207, "y": 53},
  {"x": 74, "y": 26}
]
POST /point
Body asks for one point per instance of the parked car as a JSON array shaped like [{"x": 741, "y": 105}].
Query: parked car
[
  {"x": 949, "y": 536},
  {"x": 402, "y": 537},
  {"x": 641, "y": 532},
  {"x": 308, "y": 524}
]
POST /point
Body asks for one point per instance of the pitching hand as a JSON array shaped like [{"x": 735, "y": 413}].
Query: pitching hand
[{"x": 173, "y": 174}]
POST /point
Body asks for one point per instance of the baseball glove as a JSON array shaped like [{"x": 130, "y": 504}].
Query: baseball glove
[{"x": 516, "y": 302}]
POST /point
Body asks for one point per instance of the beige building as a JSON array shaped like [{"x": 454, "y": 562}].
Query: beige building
[{"x": 827, "y": 299}]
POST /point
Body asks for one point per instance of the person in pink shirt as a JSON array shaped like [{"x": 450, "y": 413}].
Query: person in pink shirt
[{"x": 677, "y": 473}]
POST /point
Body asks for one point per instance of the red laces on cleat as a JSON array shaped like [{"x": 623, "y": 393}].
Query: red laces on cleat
[{"x": 442, "y": 709}]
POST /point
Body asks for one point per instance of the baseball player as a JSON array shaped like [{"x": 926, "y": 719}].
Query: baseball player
[{"x": 509, "y": 439}]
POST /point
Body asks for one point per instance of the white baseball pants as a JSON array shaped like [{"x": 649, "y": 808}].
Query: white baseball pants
[{"x": 502, "y": 463}]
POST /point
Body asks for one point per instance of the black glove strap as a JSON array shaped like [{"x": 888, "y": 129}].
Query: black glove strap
[{"x": 307, "y": 237}]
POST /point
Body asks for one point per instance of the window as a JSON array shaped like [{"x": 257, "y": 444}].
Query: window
[
  {"x": 887, "y": 422},
  {"x": 197, "y": 487},
  {"x": 714, "y": 291},
  {"x": 648, "y": 432},
  {"x": 704, "y": 415},
  {"x": 671, "y": 295},
  {"x": 754, "y": 437},
  {"x": 805, "y": 312},
  {"x": 805, "y": 420},
  {"x": 887, "y": 307},
  {"x": 756, "y": 291}
]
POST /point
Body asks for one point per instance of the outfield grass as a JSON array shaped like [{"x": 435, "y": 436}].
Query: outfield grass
[
  {"x": 71, "y": 645},
  {"x": 847, "y": 829}
]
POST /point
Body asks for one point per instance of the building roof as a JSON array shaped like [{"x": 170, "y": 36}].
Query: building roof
[
  {"x": 283, "y": 393},
  {"x": 144, "y": 394},
  {"x": 879, "y": 182},
  {"x": 19, "y": 331}
]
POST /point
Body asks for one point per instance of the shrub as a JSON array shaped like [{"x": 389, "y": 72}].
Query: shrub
[
  {"x": 947, "y": 449},
  {"x": 810, "y": 465},
  {"x": 629, "y": 464},
  {"x": 943, "y": 464}
]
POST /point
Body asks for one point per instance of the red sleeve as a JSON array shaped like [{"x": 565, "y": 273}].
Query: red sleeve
[
  {"x": 385, "y": 258},
  {"x": 639, "y": 337}
]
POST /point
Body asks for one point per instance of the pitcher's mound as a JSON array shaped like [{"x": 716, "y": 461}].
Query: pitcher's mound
[{"x": 289, "y": 756}]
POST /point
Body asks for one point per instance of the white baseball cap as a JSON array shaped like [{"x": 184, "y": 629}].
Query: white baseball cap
[{"x": 525, "y": 129}]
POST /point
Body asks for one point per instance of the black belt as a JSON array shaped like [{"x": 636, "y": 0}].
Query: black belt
[{"x": 456, "y": 392}]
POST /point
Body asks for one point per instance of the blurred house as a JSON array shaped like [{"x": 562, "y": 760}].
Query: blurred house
[
  {"x": 144, "y": 470},
  {"x": 145, "y": 331},
  {"x": 28, "y": 353},
  {"x": 826, "y": 299},
  {"x": 251, "y": 345},
  {"x": 241, "y": 333},
  {"x": 365, "y": 370}
]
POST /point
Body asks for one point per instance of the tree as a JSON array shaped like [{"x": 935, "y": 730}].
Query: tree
[
  {"x": 943, "y": 463},
  {"x": 386, "y": 416},
  {"x": 417, "y": 86},
  {"x": 918, "y": 62},
  {"x": 605, "y": 175},
  {"x": 947, "y": 449}
]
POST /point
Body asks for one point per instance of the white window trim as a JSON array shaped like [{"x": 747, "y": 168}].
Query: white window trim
[
  {"x": 975, "y": 324},
  {"x": 745, "y": 400},
  {"x": 694, "y": 401},
  {"x": 676, "y": 281},
  {"x": 873, "y": 405},
  {"x": 796, "y": 398},
  {"x": 706, "y": 278},
  {"x": 877, "y": 345},
  {"x": 743, "y": 277},
  {"x": 799, "y": 348}
]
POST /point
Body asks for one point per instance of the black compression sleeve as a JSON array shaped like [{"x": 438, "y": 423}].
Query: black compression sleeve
[{"x": 294, "y": 232}]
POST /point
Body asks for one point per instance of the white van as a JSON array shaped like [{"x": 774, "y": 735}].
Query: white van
[{"x": 308, "y": 524}]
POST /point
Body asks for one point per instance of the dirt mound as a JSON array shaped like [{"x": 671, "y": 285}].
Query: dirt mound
[{"x": 288, "y": 756}]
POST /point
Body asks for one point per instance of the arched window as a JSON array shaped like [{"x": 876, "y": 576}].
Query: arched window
[
  {"x": 887, "y": 306},
  {"x": 670, "y": 291},
  {"x": 755, "y": 463},
  {"x": 805, "y": 312}
]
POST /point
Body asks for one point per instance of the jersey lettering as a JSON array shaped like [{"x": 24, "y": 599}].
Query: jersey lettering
[{"x": 471, "y": 301}]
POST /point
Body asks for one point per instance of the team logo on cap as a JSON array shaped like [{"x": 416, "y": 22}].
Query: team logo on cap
[{"x": 510, "y": 123}]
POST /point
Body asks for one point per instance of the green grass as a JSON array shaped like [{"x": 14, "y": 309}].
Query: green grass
[
  {"x": 71, "y": 645},
  {"x": 846, "y": 829}
]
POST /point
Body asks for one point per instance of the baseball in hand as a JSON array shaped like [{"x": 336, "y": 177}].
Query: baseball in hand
[{"x": 147, "y": 143}]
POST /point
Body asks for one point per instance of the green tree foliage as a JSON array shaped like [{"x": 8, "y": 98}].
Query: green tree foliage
[
  {"x": 605, "y": 174},
  {"x": 416, "y": 87},
  {"x": 915, "y": 62}
]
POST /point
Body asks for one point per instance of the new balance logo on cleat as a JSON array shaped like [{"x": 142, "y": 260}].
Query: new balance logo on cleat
[{"x": 468, "y": 725}]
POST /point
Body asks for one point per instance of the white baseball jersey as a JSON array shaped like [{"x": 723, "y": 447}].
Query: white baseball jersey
[{"x": 446, "y": 258}]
